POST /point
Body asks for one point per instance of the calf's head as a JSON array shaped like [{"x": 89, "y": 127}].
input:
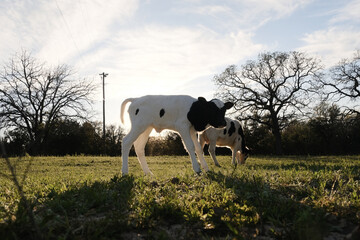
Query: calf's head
[
  {"x": 243, "y": 155},
  {"x": 203, "y": 113}
]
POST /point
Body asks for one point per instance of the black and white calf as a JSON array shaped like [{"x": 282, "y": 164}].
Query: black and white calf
[
  {"x": 232, "y": 136},
  {"x": 183, "y": 114}
]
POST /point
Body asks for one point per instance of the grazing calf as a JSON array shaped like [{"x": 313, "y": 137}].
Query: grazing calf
[
  {"x": 183, "y": 114},
  {"x": 232, "y": 136}
]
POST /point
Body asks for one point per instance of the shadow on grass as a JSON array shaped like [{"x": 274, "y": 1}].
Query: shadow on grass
[
  {"x": 123, "y": 208},
  {"x": 281, "y": 217},
  {"x": 83, "y": 212}
]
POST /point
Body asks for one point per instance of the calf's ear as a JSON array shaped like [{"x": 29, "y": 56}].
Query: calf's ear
[
  {"x": 202, "y": 99},
  {"x": 228, "y": 105},
  {"x": 248, "y": 150}
]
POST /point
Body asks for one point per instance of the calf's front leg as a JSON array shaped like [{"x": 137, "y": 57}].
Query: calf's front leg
[
  {"x": 234, "y": 162},
  {"x": 189, "y": 145},
  {"x": 212, "y": 147},
  {"x": 198, "y": 149}
]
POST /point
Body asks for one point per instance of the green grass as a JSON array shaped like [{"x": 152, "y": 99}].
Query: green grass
[{"x": 79, "y": 197}]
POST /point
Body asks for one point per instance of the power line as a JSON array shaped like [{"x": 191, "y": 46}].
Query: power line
[{"x": 67, "y": 27}]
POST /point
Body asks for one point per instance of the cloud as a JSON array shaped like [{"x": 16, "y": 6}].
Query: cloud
[
  {"x": 275, "y": 8},
  {"x": 60, "y": 31},
  {"x": 157, "y": 59},
  {"x": 332, "y": 44},
  {"x": 247, "y": 15},
  {"x": 210, "y": 10},
  {"x": 350, "y": 13},
  {"x": 340, "y": 39}
]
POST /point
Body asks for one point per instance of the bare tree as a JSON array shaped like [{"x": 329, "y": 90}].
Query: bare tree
[
  {"x": 345, "y": 77},
  {"x": 344, "y": 80},
  {"x": 32, "y": 97},
  {"x": 271, "y": 90}
]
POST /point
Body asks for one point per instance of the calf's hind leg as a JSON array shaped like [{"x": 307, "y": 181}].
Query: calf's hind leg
[
  {"x": 139, "y": 146},
  {"x": 127, "y": 142}
]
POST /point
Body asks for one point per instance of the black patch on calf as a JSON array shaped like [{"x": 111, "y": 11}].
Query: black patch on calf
[
  {"x": 225, "y": 131},
  {"x": 240, "y": 132},
  {"x": 202, "y": 113},
  {"x": 216, "y": 116},
  {"x": 162, "y": 112},
  {"x": 137, "y": 111},
  {"x": 232, "y": 128},
  {"x": 197, "y": 114},
  {"x": 243, "y": 145}
]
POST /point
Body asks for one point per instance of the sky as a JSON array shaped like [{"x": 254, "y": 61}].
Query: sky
[{"x": 170, "y": 46}]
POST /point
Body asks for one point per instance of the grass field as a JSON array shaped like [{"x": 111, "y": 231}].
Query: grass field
[{"x": 79, "y": 197}]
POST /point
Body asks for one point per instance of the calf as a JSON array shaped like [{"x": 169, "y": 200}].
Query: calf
[
  {"x": 232, "y": 136},
  {"x": 183, "y": 114}
]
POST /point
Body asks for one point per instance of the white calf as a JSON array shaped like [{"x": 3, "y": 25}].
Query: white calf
[
  {"x": 232, "y": 136},
  {"x": 183, "y": 114}
]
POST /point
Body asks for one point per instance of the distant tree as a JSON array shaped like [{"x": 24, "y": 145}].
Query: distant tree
[
  {"x": 15, "y": 141},
  {"x": 272, "y": 90},
  {"x": 64, "y": 138},
  {"x": 329, "y": 113},
  {"x": 328, "y": 129},
  {"x": 91, "y": 135},
  {"x": 33, "y": 97},
  {"x": 345, "y": 78},
  {"x": 297, "y": 138},
  {"x": 171, "y": 144},
  {"x": 175, "y": 144},
  {"x": 258, "y": 137},
  {"x": 113, "y": 139}
]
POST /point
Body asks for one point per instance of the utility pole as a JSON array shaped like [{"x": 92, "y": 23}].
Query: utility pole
[{"x": 103, "y": 75}]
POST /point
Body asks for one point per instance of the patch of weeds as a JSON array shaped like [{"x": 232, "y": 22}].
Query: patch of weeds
[{"x": 310, "y": 224}]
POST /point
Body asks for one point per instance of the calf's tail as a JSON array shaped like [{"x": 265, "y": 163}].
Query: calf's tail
[{"x": 123, "y": 105}]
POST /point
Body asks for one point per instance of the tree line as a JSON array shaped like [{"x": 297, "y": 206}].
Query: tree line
[
  {"x": 287, "y": 102},
  {"x": 69, "y": 137},
  {"x": 328, "y": 131}
]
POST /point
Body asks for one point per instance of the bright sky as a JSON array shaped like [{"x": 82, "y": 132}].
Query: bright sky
[{"x": 172, "y": 46}]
